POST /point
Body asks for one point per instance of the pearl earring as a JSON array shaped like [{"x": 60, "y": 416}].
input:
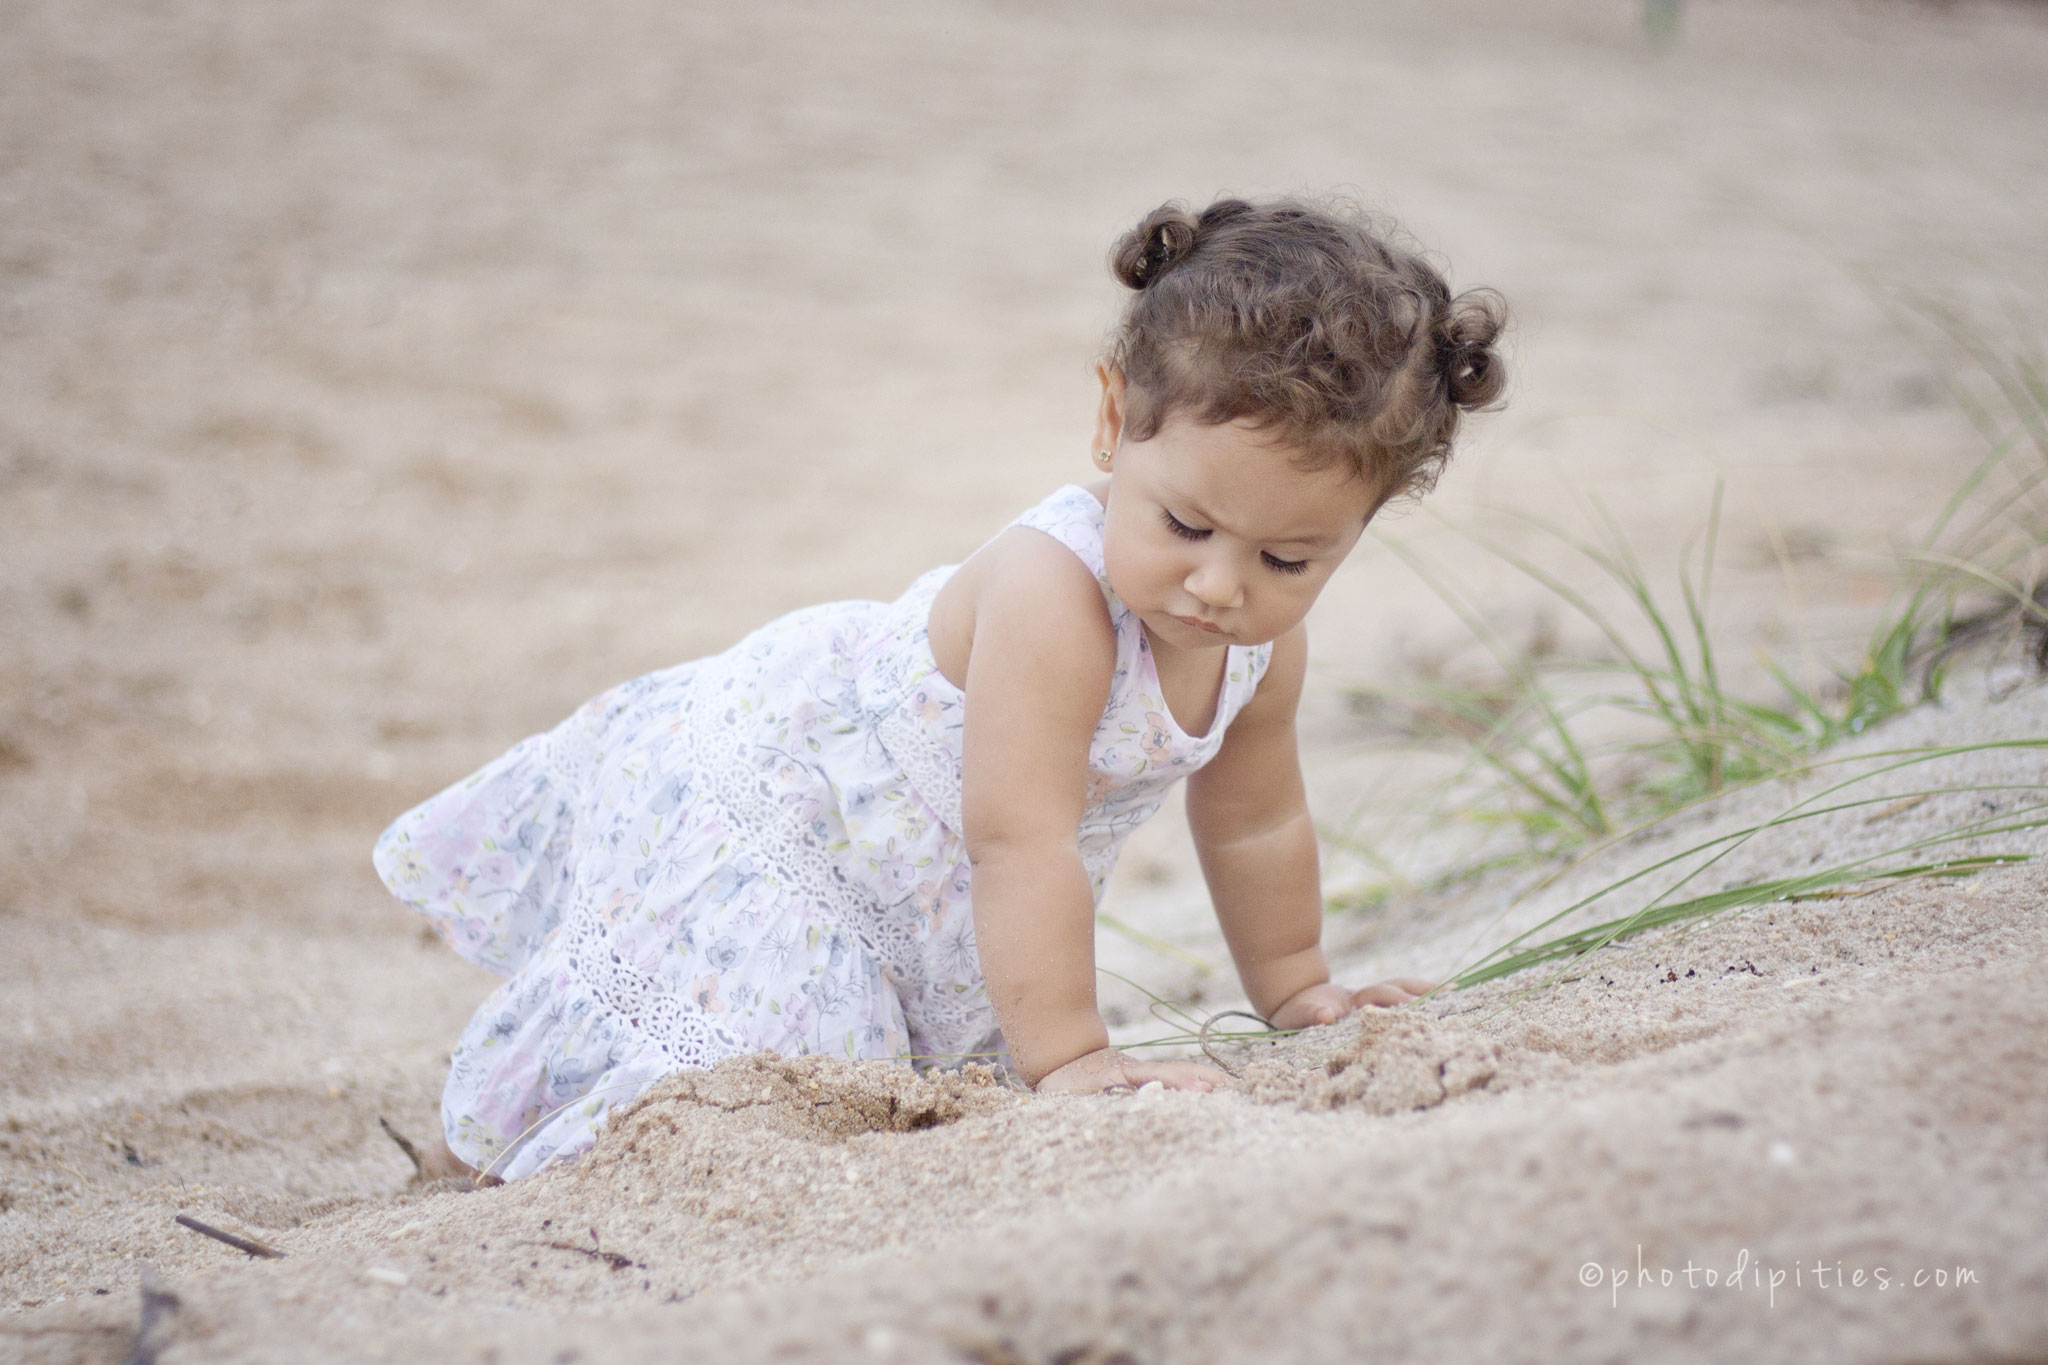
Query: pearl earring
[{"x": 1102, "y": 457}]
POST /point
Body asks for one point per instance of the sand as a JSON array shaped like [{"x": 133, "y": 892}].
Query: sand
[{"x": 378, "y": 382}]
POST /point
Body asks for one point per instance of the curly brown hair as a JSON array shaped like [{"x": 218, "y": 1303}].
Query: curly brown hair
[{"x": 1309, "y": 319}]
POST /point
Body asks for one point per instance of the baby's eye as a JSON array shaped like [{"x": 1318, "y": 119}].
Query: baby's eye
[
  {"x": 1181, "y": 528},
  {"x": 1285, "y": 565}
]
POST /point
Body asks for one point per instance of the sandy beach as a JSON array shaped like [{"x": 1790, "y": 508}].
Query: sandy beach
[{"x": 379, "y": 382}]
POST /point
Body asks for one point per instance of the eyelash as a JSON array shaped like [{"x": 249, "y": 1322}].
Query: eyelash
[{"x": 1187, "y": 532}]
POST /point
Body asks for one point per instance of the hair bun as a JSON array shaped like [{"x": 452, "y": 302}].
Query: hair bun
[
  {"x": 1472, "y": 322},
  {"x": 1154, "y": 246}
]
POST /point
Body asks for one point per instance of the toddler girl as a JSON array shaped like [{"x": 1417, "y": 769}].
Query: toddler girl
[{"x": 881, "y": 829}]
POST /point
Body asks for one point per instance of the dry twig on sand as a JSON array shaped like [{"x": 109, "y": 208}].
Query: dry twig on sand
[
  {"x": 595, "y": 1251},
  {"x": 248, "y": 1244},
  {"x": 412, "y": 1153}
]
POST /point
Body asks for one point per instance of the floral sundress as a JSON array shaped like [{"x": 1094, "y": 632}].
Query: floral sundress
[{"x": 759, "y": 850}]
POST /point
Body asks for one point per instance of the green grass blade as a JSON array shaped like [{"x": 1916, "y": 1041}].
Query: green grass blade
[{"x": 1587, "y": 940}]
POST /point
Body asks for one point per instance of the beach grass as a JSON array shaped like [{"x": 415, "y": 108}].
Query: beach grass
[
  {"x": 1566, "y": 751},
  {"x": 1922, "y": 856},
  {"x": 1574, "y": 759}
]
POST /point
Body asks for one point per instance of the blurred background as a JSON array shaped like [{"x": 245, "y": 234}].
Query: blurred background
[{"x": 378, "y": 381}]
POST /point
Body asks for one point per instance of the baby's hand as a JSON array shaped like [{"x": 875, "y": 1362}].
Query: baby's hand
[
  {"x": 1327, "y": 1003},
  {"x": 1108, "y": 1069}
]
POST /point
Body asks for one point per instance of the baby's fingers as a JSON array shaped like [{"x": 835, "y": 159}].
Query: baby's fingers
[{"x": 1398, "y": 991}]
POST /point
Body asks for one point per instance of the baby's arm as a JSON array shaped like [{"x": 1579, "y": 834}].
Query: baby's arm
[
  {"x": 1038, "y": 678},
  {"x": 1248, "y": 811}
]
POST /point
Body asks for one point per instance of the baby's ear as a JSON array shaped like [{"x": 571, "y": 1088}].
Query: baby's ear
[{"x": 1109, "y": 412}]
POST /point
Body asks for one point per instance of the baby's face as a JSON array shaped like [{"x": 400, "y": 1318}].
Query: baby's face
[{"x": 1214, "y": 536}]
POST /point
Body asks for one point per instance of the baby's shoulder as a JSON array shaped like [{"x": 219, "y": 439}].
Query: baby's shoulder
[
  {"x": 1026, "y": 572},
  {"x": 1023, "y": 593}
]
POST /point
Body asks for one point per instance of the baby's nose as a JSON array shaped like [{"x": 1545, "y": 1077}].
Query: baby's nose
[{"x": 1215, "y": 586}]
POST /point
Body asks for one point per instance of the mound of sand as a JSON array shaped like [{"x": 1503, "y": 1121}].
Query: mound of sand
[
  {"x": 1881, "y": 1116},
  {"x": 1380, "y": 1061}
]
